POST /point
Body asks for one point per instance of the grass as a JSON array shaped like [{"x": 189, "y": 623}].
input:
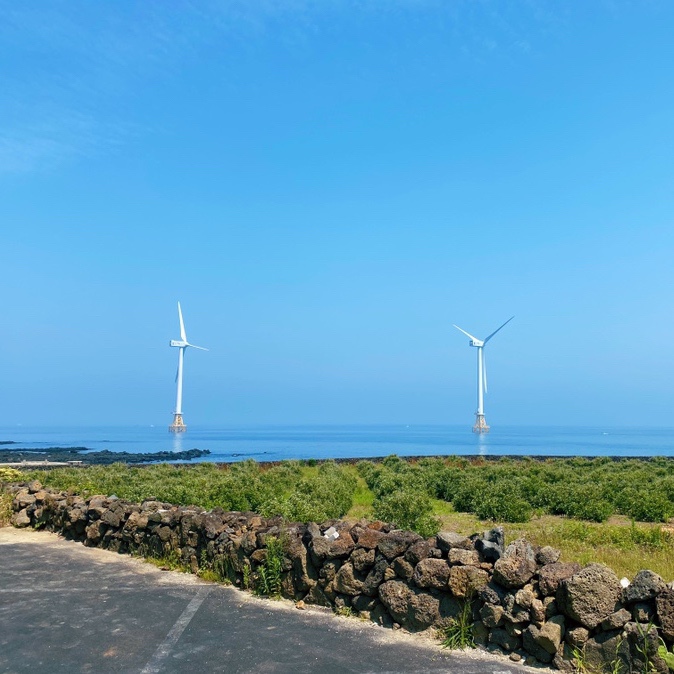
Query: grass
[
  {"x": 165, "y": 560},
  {"x": 218, "y": 570},
  {"x": 624, "y": 546},
  {"x": 343, "y": 611},
  {"x": 457, "y": 633},
  {"x": 362, "y": 500}
]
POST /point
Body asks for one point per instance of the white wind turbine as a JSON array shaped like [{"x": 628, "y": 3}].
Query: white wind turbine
[
  {"x": 178, "y": 425},
  {"x": 480, "y": 423}
]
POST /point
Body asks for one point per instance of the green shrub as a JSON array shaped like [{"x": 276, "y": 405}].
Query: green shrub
[
  {"x": 648, "y": 507},
  {"x": 327, "y": 495},
  {"x": 407, "y": 509},
  {"x": 469, "y": 493},
  {"x": 500, "y": 506}
]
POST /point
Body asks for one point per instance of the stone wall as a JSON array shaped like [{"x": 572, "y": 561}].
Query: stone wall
[{"x": 524, "y": 601}]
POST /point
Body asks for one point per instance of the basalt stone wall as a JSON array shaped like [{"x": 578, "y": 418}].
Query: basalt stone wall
[{"x": 524, "y": 601}]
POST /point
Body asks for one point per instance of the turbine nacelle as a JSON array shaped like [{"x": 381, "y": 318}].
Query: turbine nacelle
[
  {"x": 475, "y": 342},
  {"x": 178, "y": 342}
]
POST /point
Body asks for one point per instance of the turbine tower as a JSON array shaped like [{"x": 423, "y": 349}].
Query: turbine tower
[
  {"x": 178, "y": 425},
  {"x": 480, "y": 423}
]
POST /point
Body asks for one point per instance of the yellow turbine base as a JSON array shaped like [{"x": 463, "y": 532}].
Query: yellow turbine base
[
  {"x": 480, "y": 424},
  {"x": 178, "y": 425}
]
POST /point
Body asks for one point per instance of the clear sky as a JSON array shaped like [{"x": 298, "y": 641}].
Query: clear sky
[{"x": 326, "y": 186}]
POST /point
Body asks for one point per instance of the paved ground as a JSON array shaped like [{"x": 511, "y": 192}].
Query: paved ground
[{"x": 67, "y": 608}]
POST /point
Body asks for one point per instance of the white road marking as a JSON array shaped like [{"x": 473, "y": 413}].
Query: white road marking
[
  {"x": 164, "y": 649},
  {"x": 60, "y": 588}
]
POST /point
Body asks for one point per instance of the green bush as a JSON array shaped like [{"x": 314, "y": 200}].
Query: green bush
[
  {"x": 407, "y": 509},
  {"x": 648, "y": 507},
  {"x": 469, "y": 493},
  {"x": 582, "y": 501},
  {"x": 500, "y": 506}
]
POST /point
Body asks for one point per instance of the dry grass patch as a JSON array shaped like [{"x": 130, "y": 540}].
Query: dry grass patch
[
  {"x": 5, "y": 508},
  {"x": 624, "y": 546}
]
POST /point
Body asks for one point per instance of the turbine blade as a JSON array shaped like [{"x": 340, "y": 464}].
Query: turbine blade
[
  {"x": 465, "y": 333},
  {"x": 177, "y": 373},
  {"x": 495, "y": 331},
  {"x": 183, "y": 336},
  {"x": 194, "y": 346},
  {"x": 484, "y": 371}
]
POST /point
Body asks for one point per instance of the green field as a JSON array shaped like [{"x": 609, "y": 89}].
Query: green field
[{"x": 616, "y": 512}]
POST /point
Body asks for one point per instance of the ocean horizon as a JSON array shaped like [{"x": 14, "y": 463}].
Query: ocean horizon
[{"x": 278, "y": 443}]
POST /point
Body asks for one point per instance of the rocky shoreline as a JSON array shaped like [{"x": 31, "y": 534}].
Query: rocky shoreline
[
  {"x": 89, "y": 457},
  {"x": 521, "y": 600}
]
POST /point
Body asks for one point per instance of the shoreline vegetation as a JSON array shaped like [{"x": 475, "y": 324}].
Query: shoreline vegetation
[{"x": 616, "y": 512}]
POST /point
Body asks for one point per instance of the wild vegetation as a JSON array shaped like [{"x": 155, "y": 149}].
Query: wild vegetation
[
  {"x": 510, "y": 490},
  {"x": 7, "y": 475},
  {"x": 287, "y": 489},
  {"x": 603, "y": 510}
]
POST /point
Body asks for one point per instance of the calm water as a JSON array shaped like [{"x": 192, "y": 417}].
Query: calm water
[{"x": 274, "y": 443}]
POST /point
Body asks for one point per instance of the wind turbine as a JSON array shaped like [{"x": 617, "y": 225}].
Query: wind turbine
[
  {"x": 480, "y": 423},
  {"x": 178, "y": 425}
]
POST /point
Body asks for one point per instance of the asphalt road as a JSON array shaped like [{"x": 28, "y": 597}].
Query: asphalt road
[{"x": 67, "y": 608}]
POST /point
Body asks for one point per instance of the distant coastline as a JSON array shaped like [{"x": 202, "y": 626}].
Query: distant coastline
[{"x": 92, "y": 457}]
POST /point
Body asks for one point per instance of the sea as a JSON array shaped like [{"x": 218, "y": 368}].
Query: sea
[{"x": 278, "y": 443}]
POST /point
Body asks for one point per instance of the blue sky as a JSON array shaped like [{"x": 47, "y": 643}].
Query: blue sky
[{"x": 327, "y": 186}]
